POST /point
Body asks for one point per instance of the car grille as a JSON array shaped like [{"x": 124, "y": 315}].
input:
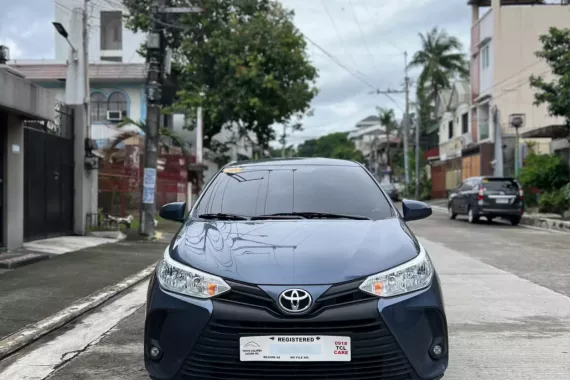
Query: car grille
[
  {"x": 337, "y": 295},
  {"x": 375, "y": 353}
]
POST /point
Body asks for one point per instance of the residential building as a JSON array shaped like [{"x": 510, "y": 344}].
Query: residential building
[
  {"x": 504, "y": 38},
  {"x": 109, "y": 39},
  {"x": 368, "y": 121},
  {"x": 457, "y": 151},
  {"x": 35, "y": 193},
  {"x": 369, "y": 137},
  {"x": 118, "y": 87},
  {"x": 240, "y": 147}
]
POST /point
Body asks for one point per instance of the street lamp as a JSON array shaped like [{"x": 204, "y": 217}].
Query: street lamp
[{"x": 62, "y": 32}]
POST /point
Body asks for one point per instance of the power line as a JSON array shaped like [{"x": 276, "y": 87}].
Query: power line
[
  {"x": 365, "y": 46},
  {"x": 335, "y": 60},
  {"x": 341, "y": 39}
]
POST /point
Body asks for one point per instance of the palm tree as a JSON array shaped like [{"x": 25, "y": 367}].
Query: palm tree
[
  {"x": 441, "y": 61},
  {"x": 164, "y": 135},
  {"x": 388, "y": 121}
]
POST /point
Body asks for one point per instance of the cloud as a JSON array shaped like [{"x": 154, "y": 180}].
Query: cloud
[
  {"x": 15, "y": 51},
  {"x": 367, "y": 37}
]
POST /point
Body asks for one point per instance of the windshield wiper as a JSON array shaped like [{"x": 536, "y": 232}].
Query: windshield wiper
[
  {"x": 311, "y": 214},
  {"x": 222, "y": 216}
]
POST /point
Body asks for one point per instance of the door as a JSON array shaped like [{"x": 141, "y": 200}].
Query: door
[
  {"x": 455, "y": 199},
  {"x": 463, "y": 196},
  {"x": 48, "y": 185}
]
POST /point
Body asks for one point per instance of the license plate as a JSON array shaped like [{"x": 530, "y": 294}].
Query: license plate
[
  {"x": 276, "y": 348},
  {"x": 502, "y": 201}
]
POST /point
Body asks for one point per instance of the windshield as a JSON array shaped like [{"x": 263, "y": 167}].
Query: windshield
[
  {"x": 506, "y": 185},
  {"x": 346, "y": 190}
]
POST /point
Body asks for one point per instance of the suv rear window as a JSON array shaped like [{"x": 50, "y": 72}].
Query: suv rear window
[
  {"x": 270, "y": 190},
  {"x": 500, "y": 184}
]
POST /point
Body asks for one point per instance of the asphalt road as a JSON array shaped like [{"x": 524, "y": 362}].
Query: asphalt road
[{"x": 507, "y": 294}]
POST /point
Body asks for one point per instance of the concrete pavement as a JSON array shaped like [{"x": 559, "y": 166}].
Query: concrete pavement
[{"x": 508, "y": 319}]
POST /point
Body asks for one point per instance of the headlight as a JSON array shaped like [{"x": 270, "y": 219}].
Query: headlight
[
  {"x": 180, "y": 278},
  {"x": 414, "y": 275}
]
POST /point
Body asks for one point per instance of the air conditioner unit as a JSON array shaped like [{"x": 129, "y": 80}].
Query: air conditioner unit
[{"x": 114, "y": 115}]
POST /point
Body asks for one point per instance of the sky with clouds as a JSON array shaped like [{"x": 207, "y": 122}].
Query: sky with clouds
[{"x": 367, "y": 37}]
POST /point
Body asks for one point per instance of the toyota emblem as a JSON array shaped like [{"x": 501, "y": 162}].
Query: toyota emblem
[{"x": 295, "y": 300}]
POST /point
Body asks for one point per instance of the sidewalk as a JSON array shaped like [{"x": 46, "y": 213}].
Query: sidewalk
[
  {"x": 547, "y": 221},
  {"x": 34, "y": 292}
]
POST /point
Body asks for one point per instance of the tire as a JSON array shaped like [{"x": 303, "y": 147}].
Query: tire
[
  {"x": 515, "y": 221},
  {"x": 450, "y": 212},
  {"x": 472, "y": 217}
]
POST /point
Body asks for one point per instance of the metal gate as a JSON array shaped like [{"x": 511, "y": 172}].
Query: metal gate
[{"x": 48, "y": 177}]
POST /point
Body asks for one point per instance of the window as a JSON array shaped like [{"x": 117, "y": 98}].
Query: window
[
  {"x": 506, "y": 185},
  {"x": 111, "y": 30},
  {"x": 450, "y": 130},
  {"x": 465, "y": 123},
  {"x": 269, "y": 190},
  {"x": 117, "y": 102},
  {"x": 485, "y": 58},
  {"x": 98, "y": 103}
]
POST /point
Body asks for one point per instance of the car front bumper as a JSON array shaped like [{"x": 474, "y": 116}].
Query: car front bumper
[{"x": 391, "y": 338}]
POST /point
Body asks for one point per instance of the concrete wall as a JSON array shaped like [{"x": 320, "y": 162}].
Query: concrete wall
[
  {"x": 20, "y": 95},
  {"x": 516, "y": 39},
  {"x": 456, "y": 117},
  {"x": 131, "y": 41},
  {"x": 13, "y": 183},
  {"x": 486, "y": 74}
]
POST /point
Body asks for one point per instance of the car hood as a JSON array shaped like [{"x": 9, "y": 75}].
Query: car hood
[{"x": 294, "y": 252}]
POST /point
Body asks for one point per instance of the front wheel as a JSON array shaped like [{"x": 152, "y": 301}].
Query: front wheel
[
  {"x": 515, "y": 221},
  {"x": 472, "y": 217},
  {"x": 450, "y": 212}
]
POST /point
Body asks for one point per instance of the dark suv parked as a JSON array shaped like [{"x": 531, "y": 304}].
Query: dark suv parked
[{"x": 490, "y": 197}]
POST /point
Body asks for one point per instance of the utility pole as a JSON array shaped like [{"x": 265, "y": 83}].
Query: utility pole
[
  {"x": 199, "y": 136},
  {"x": 283, "y": 141},
  {"x": 418, "y": 124},
  {"x": 86, "y": 102},
  {"x": 406, "y": 121},
  {"x": 155, "y": 57}
]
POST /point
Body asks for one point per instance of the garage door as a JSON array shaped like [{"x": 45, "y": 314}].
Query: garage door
[{"x": 471, "y": 166}]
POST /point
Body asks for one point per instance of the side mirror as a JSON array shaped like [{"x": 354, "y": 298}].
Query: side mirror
[
  {"x": 173, "y": 211},
  {"x": 415, "y": 210}
]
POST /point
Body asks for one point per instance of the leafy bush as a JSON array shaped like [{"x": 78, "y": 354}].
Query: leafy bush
[
  {"x": 556, "y": 201},
  {"x": 544, "y": 171}
]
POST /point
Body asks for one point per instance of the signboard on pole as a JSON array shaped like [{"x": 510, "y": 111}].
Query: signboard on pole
[{"x": 149, "y": 185}]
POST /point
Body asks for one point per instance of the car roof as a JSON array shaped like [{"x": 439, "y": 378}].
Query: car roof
[{"x": 293, "y": 161}]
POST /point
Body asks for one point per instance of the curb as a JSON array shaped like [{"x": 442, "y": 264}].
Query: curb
[
  {"x": 551, "y": 225},
  {"x": 34, "y": 331}
]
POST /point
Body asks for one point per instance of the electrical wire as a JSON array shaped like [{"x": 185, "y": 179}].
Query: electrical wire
[
  {"x": 343, "y": 43},
  {"x": 365, "y": 46}
]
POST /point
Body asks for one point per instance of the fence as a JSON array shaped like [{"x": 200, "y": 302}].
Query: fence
[{"x": 120, "y": 184}]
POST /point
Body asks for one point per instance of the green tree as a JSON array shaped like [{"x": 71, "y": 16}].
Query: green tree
[
  {"x": 243, "y": 61},
  {"x": 308, "y": 148},
  {"x": 556, "y": 93},
  {"x": 333, "y": 145},
  {"x": 441, "y": 60},
  {"x": 545, "y": 172},
  {"x": 166, "y": 136}
]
